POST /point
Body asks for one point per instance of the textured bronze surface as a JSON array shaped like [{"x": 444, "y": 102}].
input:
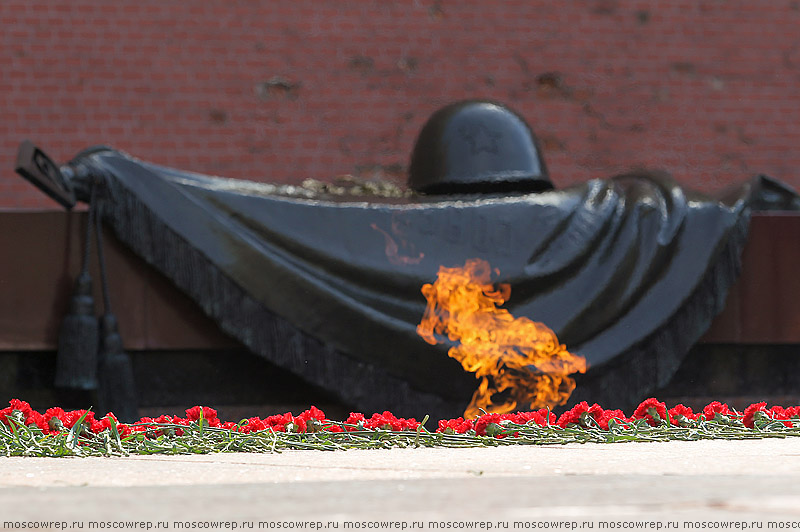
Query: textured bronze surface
[{"x": 37, "y": 277}]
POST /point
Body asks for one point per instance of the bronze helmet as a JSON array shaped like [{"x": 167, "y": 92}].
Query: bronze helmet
[{"x": 477, "y": 146}]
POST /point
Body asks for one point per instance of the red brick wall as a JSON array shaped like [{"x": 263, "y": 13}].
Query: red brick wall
[{"x": 283, "y": 90}]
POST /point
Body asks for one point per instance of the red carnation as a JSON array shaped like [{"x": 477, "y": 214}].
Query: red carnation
[
  {"x": 356, "y": 419},
  {"x": 35, "y": 418},
  {"x": 409, "y": 423},
  {"x": 193, "y": 413},
  {"x": 15, "y": 405},
  {"x": 783, "y": 414},
  {"x": 379, "y": 421},
  {"x": 577, "y": 416},
  {"x": 98, "y": 426},
  {"x": 791, "y": 413},
  {"x": 387, "y": 421},
  {"x": 652, "y": 411},
  {"x": 484, "y": 421},
  {"x": 544, "y": 417},
  {"x": 4, "y": 413},
  {"x": 520, "y": 418},
  {"x": 458, "y": 425},
  {"x": 607, "y": 416},
  {"x": 750, "y": 414},
  {"x": 680, "y": 414},
  {"x": 313, "y": 419},
  {"x": 391, "y": 421},
  {"x": 313, "y": 413},
  {"x": 279, "y": 422},
  {"x": 122, "y": 429},
  {"x": 299, "y": 424},
  {"x": 777, "y": 412},
  {"x": 712, "y": 409},
  {"x": 252, "y": 425},
  {"x": 538, "y": 417},
  {"x": 209, "y": 415},
  {"x": 70, "y": 418},
  {"x": 573, "y": 415},
  {"x": 55, "y": 419},
  {"x": 22, "y": 406},
  {"x": 597, "y": 413}
]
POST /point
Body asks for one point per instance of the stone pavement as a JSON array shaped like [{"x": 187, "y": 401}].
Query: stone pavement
[{"x": 699, "y": 485}]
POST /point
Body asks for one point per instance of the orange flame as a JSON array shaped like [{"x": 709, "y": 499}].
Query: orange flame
[{"x": 519, "y": 362}]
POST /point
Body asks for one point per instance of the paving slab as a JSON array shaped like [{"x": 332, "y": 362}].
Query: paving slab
[{"x": 669, "y": 485}]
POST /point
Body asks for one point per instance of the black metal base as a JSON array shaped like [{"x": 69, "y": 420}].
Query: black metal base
[
  {"x": 249, "y": 385},
  {"x": 167, "y": 382}
]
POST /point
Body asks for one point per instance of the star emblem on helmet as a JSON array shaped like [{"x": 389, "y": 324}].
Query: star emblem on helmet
[{"x": 481, "y": 138}]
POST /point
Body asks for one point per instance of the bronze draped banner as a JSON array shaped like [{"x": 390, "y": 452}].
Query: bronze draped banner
[{"x": 629, "y": 272}]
